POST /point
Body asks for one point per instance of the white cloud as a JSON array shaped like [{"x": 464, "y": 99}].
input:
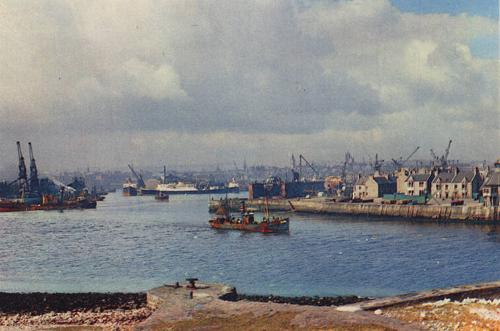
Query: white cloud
[
  {"x": 356, "y": 72},
  {"x": 146, "y": 80}
]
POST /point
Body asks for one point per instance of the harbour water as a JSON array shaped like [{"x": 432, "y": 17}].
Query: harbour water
[{"x": 136, "y": 243}]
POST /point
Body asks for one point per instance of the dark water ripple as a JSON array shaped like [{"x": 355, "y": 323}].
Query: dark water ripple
[{"x": 136, "y": 243}]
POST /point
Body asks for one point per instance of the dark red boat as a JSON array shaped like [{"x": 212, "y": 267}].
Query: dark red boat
[{"x": 223, "y": 220}]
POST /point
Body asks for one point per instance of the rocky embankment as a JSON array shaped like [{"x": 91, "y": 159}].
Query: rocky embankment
[
  {"x": 303, "y": 300},
  {"x": 117, "y": 311}
]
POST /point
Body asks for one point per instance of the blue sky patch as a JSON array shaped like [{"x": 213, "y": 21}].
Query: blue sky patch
[
  {"x": 486, "y": 8},
  {"x": 485, "y": 47}
]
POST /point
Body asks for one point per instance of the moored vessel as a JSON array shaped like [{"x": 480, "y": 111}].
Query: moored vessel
[
  {"x": 180, "y": 188},
  {"x": 129, "y": 188},
  {"x": 233, "y": 187},
  {"x": 162, "y": 193},
  {"x": 223, "y": 220},
  {"x": 47, "y": 203}
]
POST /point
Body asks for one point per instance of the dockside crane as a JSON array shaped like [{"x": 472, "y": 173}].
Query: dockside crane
[
  {"x": 22, "y": 177},
  {"x": 140, "y": 181},
  {"x": 442, "y": 161},
  {"x": 296, "y": 174},
  {"x": 377, "y": 164},
  {"x": 302, "y": 158},
  {"x": 348, "y": 160},
  {"x": 34, "y": 183},
  {"x": 400, "y": 163}
]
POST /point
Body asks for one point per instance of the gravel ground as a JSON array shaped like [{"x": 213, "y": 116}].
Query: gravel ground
[
  {"x": 108, "y": 319},
  {"x": 444, "y": 315},
  {"x": 102, "y": 311}
]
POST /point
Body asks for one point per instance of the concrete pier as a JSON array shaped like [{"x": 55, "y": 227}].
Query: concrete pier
[
  {"x": 473, "y": 213},
  {"x": 203, "y": 308}
]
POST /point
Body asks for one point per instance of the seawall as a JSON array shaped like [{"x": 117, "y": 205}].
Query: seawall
[{"x": 472, "y": 213}]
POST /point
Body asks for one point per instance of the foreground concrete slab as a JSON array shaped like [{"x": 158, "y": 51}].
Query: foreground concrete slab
[{"x": 202, "y": 308}]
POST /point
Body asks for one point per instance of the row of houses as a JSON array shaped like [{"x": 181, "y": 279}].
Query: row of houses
[{"x": 454, "y": 184}]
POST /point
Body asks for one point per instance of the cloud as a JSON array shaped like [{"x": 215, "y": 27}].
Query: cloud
[
  {"x": 267, "y": 72},
  {"x": 146, "y": 80}
]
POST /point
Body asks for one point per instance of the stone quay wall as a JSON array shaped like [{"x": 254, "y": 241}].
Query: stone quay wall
[{"x": 471, "y": 213}]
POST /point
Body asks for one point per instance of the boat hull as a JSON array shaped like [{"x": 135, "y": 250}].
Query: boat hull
[{"x": 264, "y": 227}]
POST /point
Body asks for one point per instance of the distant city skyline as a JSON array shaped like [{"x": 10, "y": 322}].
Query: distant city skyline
[{"x": 105, "y": 83}]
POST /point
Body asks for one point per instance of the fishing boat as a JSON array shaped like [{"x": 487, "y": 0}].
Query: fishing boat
[{"x": 223, "y": 220}]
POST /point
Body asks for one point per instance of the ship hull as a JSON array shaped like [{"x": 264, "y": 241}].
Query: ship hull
[
  {"x": 207, "y": 191},
  {"x": 129, "y": 191},
  {"x": 149, "y": 191},
  {"x": 16, "y": 207},
  {"x": 161, "y": 196}
]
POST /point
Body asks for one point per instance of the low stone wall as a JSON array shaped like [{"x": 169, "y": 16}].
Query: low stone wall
[
  {"x": 323, "y": 206},
  {"x": 483, "y": 290}
]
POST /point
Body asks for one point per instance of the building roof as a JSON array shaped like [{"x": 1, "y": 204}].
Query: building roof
[
  {"x": 468, "y": 175},
  {"x": 361, "y": 181},
  {"x": 419, "y": 177},
  {"x": 445, "y": 177},
  {"x": 493, "y": 179}
]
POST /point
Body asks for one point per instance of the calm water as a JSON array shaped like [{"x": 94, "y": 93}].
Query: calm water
[{"x": 136, "y": 243}]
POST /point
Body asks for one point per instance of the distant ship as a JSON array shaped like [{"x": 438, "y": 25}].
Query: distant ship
[
  {"x": 233, "y": 187},
  {"x": 188, "y": 188},
  {"x": 178, "y": 188},
  {"x": 129, "y": 188},
  {"x": 162, "y": 193}
]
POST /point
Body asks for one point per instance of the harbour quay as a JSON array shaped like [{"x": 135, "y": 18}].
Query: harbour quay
[{"x": 465, "y": 213}]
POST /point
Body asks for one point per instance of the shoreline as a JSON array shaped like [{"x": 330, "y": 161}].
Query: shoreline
[{"x": 218, "y": 306}]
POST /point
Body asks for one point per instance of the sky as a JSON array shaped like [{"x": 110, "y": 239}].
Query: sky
[{"x": 105, "y": 83}]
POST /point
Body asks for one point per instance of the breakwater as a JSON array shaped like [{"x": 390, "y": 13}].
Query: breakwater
[{"x": 472, "y": 213}]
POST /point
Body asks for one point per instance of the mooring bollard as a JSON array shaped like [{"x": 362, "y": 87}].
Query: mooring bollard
[{"x": 192, "y": 282}]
